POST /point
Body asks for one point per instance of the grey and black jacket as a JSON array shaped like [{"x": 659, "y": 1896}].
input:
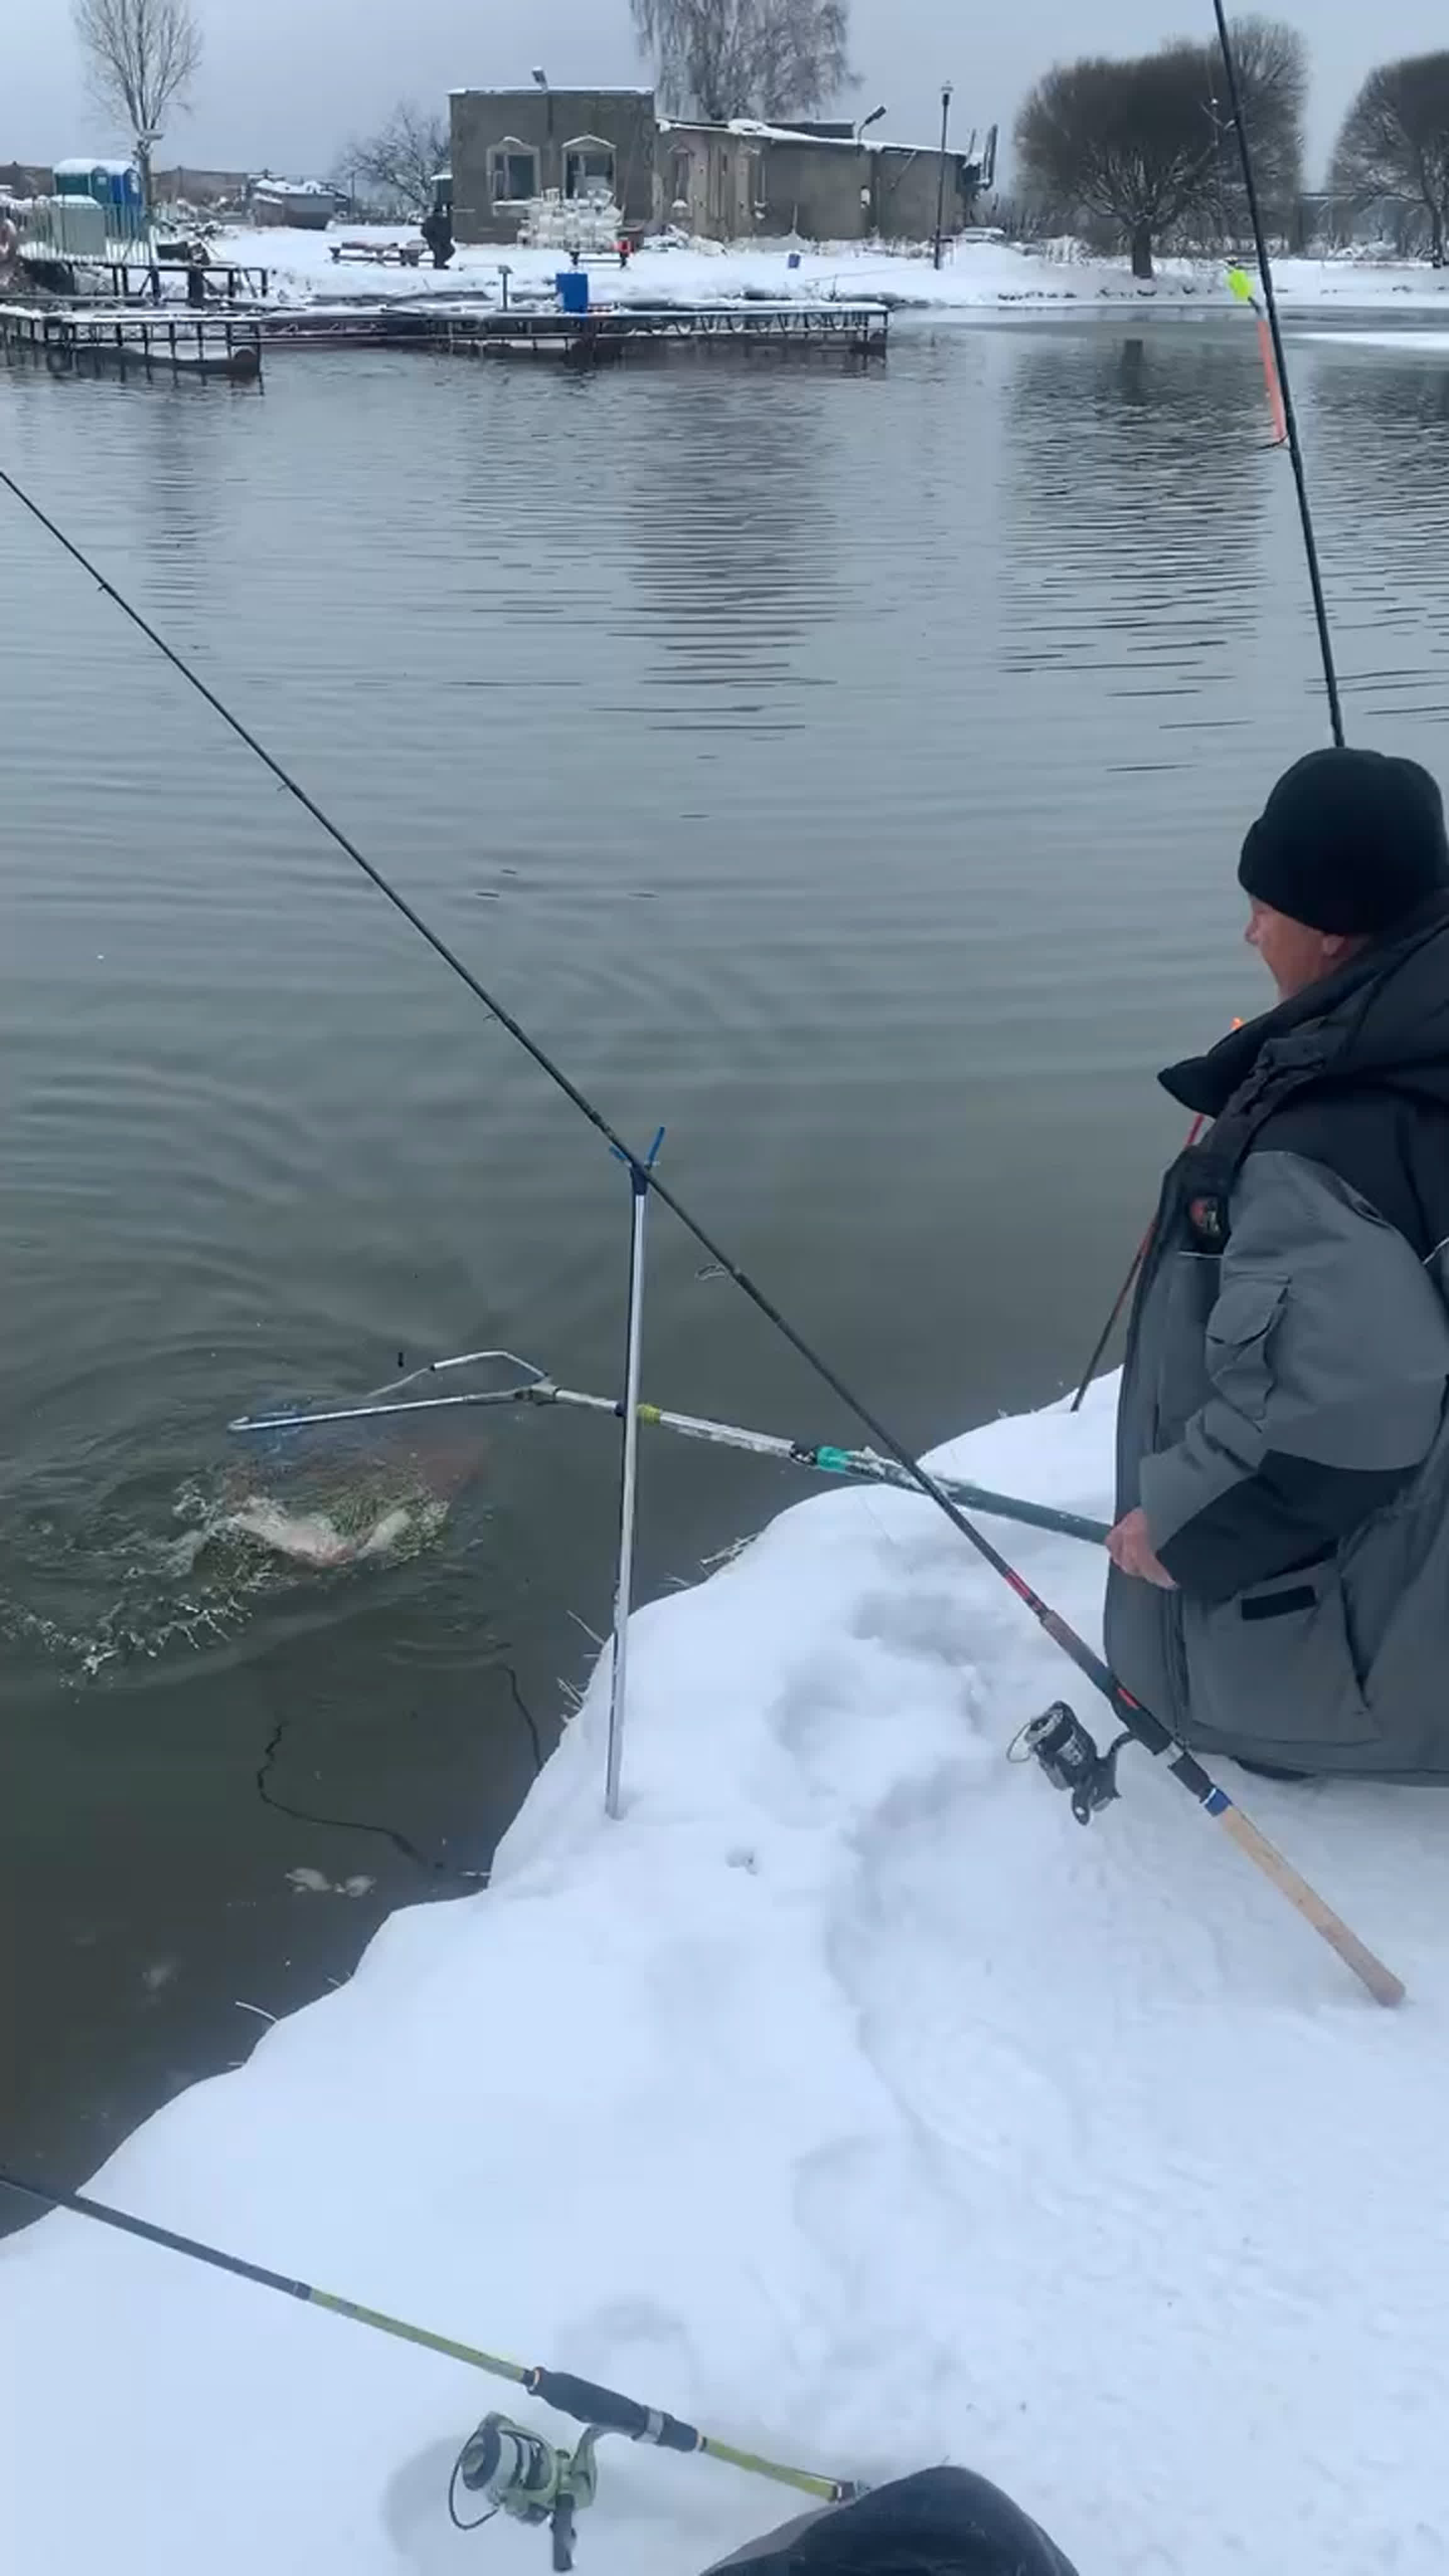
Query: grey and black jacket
[
  {"x": 1283, "y": 1421},
  {"x": 940, "y": 2522}
]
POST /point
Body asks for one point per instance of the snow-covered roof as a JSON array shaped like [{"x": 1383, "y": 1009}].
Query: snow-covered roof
[
  {"x": 83, "y": 166},
  {"x": 555, "y": 89},
  {"x": 752, "y": 129}
]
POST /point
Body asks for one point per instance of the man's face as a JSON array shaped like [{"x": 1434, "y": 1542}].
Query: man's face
[{"x": 1294, "y": 955}]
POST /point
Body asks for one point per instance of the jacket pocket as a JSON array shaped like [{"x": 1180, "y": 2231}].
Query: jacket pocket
[
  {"x": 1275, "y": 1666},
  {"x": 1239, "y": 1330}
]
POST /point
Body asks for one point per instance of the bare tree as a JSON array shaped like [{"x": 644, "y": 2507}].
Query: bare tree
[
  {"x": 1146, "y": 145},
  {"x": 1272, "y": 61},
  {"x": 143, "y": 56},
  {"x": 1395, "y": 142},
  {"x": 767, "y": 58},
  {"x": 401, "y": 160}
]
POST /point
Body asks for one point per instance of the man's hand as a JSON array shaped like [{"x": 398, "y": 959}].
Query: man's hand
[{"x": 1130, "y": 1550}]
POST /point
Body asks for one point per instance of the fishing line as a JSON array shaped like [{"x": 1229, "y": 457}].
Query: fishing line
[
  {"x": 547, "y": 1064},
  {"x": 1141, "y": 1722},
  {"x": 1290, "y": 414}
]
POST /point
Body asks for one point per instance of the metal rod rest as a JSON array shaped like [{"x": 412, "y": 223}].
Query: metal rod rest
[{"x": 629, "y": 1469}]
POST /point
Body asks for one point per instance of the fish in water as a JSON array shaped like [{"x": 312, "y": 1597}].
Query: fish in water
[
  {"x": 345, "y": 1508},
  {"x": 314, "y": 1538}
]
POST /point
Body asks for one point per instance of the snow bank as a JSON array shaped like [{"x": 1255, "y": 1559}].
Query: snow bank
[
  {"x": 979, "y": 274},
  {"x": 845, "y": 2097}
]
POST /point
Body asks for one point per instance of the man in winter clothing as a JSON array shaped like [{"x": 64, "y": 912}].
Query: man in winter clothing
[
  {"x": 941, "y": 2522},
  {"x": 1280, "y": 1582}
]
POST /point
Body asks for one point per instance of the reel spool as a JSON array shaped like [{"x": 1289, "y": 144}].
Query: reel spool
[
  {"x": 515, "y": 2471},
  {"x": 1071, "y": 1759}
]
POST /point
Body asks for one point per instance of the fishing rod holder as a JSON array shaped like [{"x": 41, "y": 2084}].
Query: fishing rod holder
[
  {"x": 514, "y": 2471},
  {"x": 1071, "y": 1758},
  {"x": 528, "y": 1384},
  {"x": 639, "y": 1178}
]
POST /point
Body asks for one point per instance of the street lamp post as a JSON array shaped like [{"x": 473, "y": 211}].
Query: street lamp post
[
  {"x": 941, "y": 180},
  {"x": 870, "y": 193},
  {"x": 146, "y": 141}
]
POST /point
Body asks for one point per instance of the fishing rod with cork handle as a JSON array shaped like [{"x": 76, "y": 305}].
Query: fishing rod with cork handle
[
  {"x": 1140, "y": 1722},
  {"x": 1096, "y": 1780}
]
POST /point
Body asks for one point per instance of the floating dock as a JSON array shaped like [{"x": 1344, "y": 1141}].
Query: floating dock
[
  {"x": 610, "y": 333},
  {"x": 228, "y": 345},
  {"x": 600, "y": 337}
]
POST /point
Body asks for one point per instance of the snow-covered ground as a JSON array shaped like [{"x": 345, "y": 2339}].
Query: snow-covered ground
[
  {"x": 977, "y": 275},
  {"x": 845, "y": 2097}
]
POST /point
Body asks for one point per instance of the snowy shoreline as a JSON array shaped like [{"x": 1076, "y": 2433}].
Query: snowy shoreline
[
  {"x": 846, "y": 2097},
  {"x": 978, "y": 278}
]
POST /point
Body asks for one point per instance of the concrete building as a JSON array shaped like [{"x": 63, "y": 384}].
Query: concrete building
[
  {"x": 743, "y": 180},
  {"x": 734, "y": 182},
  {"x": 513, "y": 144}
]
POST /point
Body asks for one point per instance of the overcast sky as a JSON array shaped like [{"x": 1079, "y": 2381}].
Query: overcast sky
[{"x": 284, "y": 81}]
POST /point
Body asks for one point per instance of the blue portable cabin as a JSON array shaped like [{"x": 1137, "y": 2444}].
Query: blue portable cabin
[{"x": 114, "y": 186}]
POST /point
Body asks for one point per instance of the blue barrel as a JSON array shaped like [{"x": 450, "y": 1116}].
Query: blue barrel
[{"x": 573, "y": 290}]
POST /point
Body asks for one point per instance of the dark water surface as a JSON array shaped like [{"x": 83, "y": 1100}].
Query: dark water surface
[{"x": 843, "y": 770}]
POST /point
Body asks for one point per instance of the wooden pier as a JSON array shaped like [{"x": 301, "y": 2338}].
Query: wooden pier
[{"x": 129, "y": 342}]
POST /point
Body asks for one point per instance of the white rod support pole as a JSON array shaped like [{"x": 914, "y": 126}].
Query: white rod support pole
[{"x": 629, "y": 1477}]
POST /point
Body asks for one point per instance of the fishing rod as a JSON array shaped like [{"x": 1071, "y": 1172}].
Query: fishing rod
[
  {"x": 1125, "y": 1291},
  {"x": 510, "y": 2465},
  {"x": 857, "y": 1466},
  {"x": 1280, "y": 390},
  {"x": 637, "y": 1165},
  {"x": 1136, "y": 1720},
  {"x": 1285, "y": 382},
  {"x": 1128, "y": 1284}
]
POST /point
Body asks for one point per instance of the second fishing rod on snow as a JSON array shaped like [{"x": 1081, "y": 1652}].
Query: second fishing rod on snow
[
  {"x": 1139, "y": 1724},
  {"x": 507, "y": 2468}
]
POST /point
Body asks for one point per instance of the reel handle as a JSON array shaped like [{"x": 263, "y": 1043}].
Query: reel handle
[{"x": 562, "y": 2528}]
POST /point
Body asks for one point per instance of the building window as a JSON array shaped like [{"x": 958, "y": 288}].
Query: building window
[
  {"x": 681, "y": 178},
  {"x": 588, "y": 167},
  {"x": 512, "y": 172}
]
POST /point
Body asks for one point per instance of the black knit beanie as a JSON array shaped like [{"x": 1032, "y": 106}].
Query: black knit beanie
[{"x": 1349, "y": 841}]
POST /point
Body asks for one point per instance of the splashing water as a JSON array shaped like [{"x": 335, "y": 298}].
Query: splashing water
[{"x": 249, "y": 1535}]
